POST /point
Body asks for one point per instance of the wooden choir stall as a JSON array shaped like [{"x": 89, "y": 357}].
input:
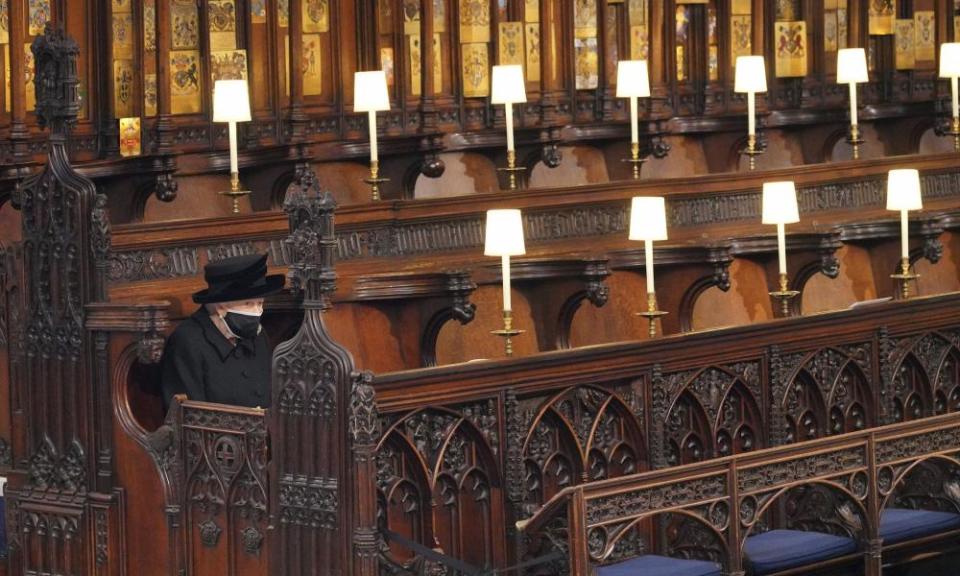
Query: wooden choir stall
[{"x": 584, "y": 287}]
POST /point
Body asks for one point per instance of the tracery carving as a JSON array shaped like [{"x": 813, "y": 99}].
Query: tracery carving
[
  {"x": 364, "y": 423},
  {"x": 820, "y": 508},
  {"x": 579, "y": 434},
  {"x": 932, "y": 484},
  {"x": 710, "y": 412},
  {"x": 225, "y": 458},
  {"x": 827, "y": 392},
  {"x": 49, "y": 470},
  {"x": 446, "y": 458},
  {"x": 646, "y": 500}
]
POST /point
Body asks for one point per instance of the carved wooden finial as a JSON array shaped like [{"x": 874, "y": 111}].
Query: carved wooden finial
[
  {"x": 312, "y": 243},
  {"x": 58, "y": 102}
]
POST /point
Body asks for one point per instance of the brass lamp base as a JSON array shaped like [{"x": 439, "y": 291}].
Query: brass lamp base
[
  {"x": 235, "y": 193},
  {"x": 508, "y": 332},
  {"x": 854, "y": 140},
  {"x": 753, "y": 151},
  {"x": 652, "y": 314},
  {"x": 955, "y": 132},
  {"x": 512, "y": 170},
  {"x": 904, "y": 278},
  {"x": 635, "y": 159},
  {"x": 374, "y": 181},
  {"x": 785, "y": 296}
]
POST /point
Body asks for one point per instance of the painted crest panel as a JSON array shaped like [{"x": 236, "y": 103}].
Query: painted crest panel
[
  {"x": 130, "y": 137},
  {"x": 791, "y": 49},
  {"x": 476, "y": 70},
  {"x": 228, "y": 65},
  {"x": 316, "y": 16},
  {"x": 311, "y": 65},
  {"x": 185, "y": 82},
  {"x": 38, "y": 13},
  {"x": 184, "y": 25}
]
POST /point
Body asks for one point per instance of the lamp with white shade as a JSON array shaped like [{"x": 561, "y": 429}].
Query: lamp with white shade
[
  {"x": 950, "y": 68},
  {"x": 780, "y": 208},
  {"x": 509, "y": 88},
  {"x": 503, "y": 237},
  {"x": 648, "y": 222},
  {"x": 370, "y": 95},
  {"x": 633, "y": 81},
  {"x": 903, "y": 195},
  {"x": 852, "y": 70},
  {"x": 231, "y": 104},
  {"x": 751, "y": 78}
]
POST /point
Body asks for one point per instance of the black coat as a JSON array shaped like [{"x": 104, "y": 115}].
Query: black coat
[{"x": 199, "y": 361}]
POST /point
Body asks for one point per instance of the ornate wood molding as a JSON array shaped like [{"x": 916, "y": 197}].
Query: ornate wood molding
[{"x": 379, "y": 237}]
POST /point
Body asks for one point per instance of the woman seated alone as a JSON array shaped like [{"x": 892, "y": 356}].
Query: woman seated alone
[{"x": 220, "y": 353}]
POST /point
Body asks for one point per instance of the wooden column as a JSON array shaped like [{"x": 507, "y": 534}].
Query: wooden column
[
  {"x": 18, "y": 103},
  {"x": 428, "y": 107},
  {"x": 297, "y": 118},
  {"x": 661, "y": 102}
]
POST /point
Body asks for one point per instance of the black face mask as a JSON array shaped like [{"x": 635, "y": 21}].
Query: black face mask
[{"x": 245, "y": 326}]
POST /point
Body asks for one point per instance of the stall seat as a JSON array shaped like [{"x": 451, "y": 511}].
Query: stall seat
[
  {"x": 779, "y": 550},
  {"x": 653, "y": 565},
  {"x": 900, "y": 524}
]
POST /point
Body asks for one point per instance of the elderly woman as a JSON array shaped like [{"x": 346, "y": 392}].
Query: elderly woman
[{"x": 220, "y": 353}]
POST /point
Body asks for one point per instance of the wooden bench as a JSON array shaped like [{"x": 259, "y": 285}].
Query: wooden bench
[{"x": 845, "y": 504}]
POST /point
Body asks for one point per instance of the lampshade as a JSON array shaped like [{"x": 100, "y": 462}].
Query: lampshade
[
  {"x": 648, "y": 218},
  {"x": 903, "y": 190},
  {"x": 633, "y": 79},
  {"x": 504, "y": 233},
  {"x": 852, "y": 65},
  {"x": 370, "y": 91},
  {"x": 780, "y": 203},
  {"x": 508, "y": 85},
  {"x": 950, "y": 60},
  {"x": 231, "y": 101},
  {"x": 751, "y": 75}
]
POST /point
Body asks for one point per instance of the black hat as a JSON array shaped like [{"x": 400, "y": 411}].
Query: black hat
[{"x": 238, "y": 278}]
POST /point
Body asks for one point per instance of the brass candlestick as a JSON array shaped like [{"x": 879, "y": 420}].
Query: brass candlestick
[
  {"x": 375, "y": 180},
  {"x": 904, "y": 277},
  {"x": 753, "y": 150},
  {"x": 855, "y": 140},
  {"x": 508, "y": 332},
  {"x": 652, "y": 314},
  {"x": 512, "y": 169},
  {"x": 235, "y": 192},
  {"x": 784, "y": 295},
  {"x": 955, "y": 132},
  {"x": 635, "y": 159}
]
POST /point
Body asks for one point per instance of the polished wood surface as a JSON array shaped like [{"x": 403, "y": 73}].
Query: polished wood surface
[{"x": 393, "y": 405}]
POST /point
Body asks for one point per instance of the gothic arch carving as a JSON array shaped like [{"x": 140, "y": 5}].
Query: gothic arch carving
[
  {"x": 447, "y": 466},
  {"x": 931, "y": 483},
  {"x": 826, "y": 393},
  {"x": 581, "y": 433},
  {"x": 709, "y": 412}
]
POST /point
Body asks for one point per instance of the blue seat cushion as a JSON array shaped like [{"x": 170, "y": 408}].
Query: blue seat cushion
[
  {"x": 778, "y": 550},
  {"x": 653, "y": 565},
  {"x": 899, "y": 524}
]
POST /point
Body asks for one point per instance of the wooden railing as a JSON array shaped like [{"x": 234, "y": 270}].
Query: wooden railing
[{"x": 835, "y": 485}]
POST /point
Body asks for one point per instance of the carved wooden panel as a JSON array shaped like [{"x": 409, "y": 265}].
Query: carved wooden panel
[
  {"x": 65, "y": 447},
  {"x": 438, "y": 474},
  {"x": 826, "y": 392},
  {"x": 316, "y": 395},
  {"x": 709, "y": 412},
  {"x": 225, "y": 490},
  {"x": 922, "y": 375},
  {"x": 581, "y": 434}
]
